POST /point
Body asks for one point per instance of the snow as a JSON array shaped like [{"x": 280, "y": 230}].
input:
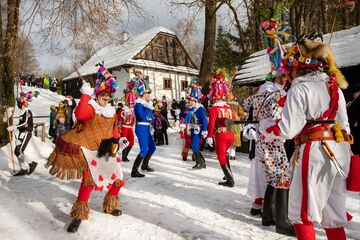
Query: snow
[
  {"x": 174, "y": 202},
  {"x": 121, "y": 54},
  {"x": 345, "y": 45}
]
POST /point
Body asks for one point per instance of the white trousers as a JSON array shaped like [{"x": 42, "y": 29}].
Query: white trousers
[{"x": 257, "y": 181}]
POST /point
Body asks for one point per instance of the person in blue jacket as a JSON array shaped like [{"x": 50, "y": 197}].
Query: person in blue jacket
[
  {"x": 196, "y": 122},
  {"x": 144, "y": 117}
]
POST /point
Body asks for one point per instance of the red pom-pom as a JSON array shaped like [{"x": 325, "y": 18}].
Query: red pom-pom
[
  {"x": 113, "y": 176},
  {"x": 93, "y": 163},
  {"x": 118, "y": 159},
  {"x": 101, "y": 178}
]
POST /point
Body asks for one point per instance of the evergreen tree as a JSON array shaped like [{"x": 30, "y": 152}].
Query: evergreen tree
[{"x": 225, "y": 57}]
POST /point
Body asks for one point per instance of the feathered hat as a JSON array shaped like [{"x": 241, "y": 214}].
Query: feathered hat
[
  {"x": 311, "y": 52},
  {"x": 141, "y": 83},
  {"x": 219, "y": 86},
  {"x": 130, "y": 92},
  {"x": 105, "y": 82},
  {"x": 26, "y": 97},
  {"x": 195, "y": 90}
]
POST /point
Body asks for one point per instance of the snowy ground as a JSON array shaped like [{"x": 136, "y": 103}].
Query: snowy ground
[{"x": 174, "y": 202}]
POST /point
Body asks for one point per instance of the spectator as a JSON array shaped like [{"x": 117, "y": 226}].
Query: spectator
[
  {"x": 165, "y": 124},
  {"x": 174, "y": 107},
  {"x": 52, "y": 118},
  {"x": 164, "y": 101},
  {"x": 182, "y": 105},
  {"x": 60, "y": 126}
]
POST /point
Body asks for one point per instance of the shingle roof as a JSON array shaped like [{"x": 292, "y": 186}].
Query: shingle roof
[
  {"x": 121, "y": 54},
  {"x": 345, "y": 44}
]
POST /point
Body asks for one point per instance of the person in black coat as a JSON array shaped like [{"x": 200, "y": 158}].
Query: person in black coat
[{"x": 174, "y": 107}]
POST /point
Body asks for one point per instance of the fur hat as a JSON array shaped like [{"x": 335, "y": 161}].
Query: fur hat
[{"x": 310, "y": 53}]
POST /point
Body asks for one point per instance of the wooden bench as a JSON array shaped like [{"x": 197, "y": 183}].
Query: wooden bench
[{"x": 43, "y": 132}]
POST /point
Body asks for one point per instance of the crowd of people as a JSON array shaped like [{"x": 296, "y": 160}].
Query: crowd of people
[
  {"x": 299, "y": 132},
  {"x": 44, "y": 81}
]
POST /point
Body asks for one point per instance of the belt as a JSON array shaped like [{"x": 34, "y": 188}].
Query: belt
[
  {"x": 127, "y": 126},
  {"x": 143, "y": 123},
  {"x": 314, "y": 136}
]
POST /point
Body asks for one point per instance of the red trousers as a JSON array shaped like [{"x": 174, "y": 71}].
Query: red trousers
[
  {"x": 187, "y": 143},
  {"x": 85, "y": 191},
  {"x": 223, "y": 142},
  {"x": 129, "y": 134}
]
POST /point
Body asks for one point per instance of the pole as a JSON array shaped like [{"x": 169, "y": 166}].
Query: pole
[{"x": 10, "y": 137}]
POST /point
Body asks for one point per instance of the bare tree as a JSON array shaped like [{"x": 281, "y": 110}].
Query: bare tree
[
  {"x": 25, "y": 57},
  {"x": 61, "y": 23},
  {"x": 187, "y": 32}
]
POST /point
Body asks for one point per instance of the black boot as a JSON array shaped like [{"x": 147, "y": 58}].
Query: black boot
[
  {"x": 281, "y": 206},
  {"x": 145, "y": 164},
  {"x": 134, "y": 171},
  {"x": 229, "y": 178},
  {"x": 255, "y": 212},
  {"x": 268, "y": 207},
  {"x": 197, "y": 160},
  {"x": 202, "y": 164},
  {"x": 74, "y": 226},
  {"x": 32, "y": 166},
  {"x": 116, "y": 212},
  {"x": 22, "y": 172},
  {"x": 184, "y": 158},
  {"x": 127, "y": 152},
  {"x": 124, "y": 155}
]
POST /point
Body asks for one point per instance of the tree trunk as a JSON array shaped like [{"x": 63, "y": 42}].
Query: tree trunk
[
  {"x": 324, "y": 17},
  {"x": 9, "y": 71},
  {"x": 209, "y": 41}
]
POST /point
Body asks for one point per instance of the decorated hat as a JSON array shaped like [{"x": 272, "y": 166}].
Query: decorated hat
[
  {"x": 26, "y": 97},
  {"x": 141, "y": 83},
  {"x": 274, "y": 36},
  {"x": 105, "y": 82},
  {"x": 311, "y": 52},
  {"x": 220, "y": 85},
  {"x": 194, "y": 90},
  {"x": 130, "y": 92}
]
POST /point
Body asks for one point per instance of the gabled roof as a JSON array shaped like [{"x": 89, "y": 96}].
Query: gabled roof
[
  {"x": 345, "y": 44},
  {"x": 121, "y": 54}
]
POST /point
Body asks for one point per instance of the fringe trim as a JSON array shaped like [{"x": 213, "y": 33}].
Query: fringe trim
[
  {"x": 66, "y": 166},
  {"x": 80, "y": 210},
  {"x": 111, "y": 202}
]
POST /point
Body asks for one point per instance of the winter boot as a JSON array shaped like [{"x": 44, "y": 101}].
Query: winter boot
[
  {"x": 197, "y": 160},
  {"x": 134, "y": 171},
  {"x": 22, "y": 172},
  {"x": 127, "y": 152},
  {"x": 32, "y": 166},
  {"x": 281, "y": 207},
  {"x": 202, "y": 164},
  {"x": 124, "y": 155},
  {"x": 268, "y": 207},
  {"x": 229, "y": 178},
  {"x": 256, "y": 207},
  {"x": 116, "y": 212},
  {"x": 74, "y": 226},
  {"x": 145, "y": 164},
  {"x": 228, "y": 162}
]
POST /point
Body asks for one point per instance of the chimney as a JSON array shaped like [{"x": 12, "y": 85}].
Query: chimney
[{"x": 124, "y": 36}]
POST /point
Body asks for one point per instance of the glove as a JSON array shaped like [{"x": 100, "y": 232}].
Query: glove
[
  {"x": 210, "y": 142},
  {"x": 11, "y": 128},
  {"x": 86, "y": 89},
  {"x": 124, "y": 143},
  {"x": 249, "y": 132},
  {"x": 182, "y": 126},
  {"x": 17, "y": 142},
  {"x": 266, "y": 124},
  {"x": 204, "y": 134},
  {"x": 177, "y": 112}
]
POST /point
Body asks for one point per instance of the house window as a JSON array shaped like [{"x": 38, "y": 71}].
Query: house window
[
  {"x": 184, "y": 85},
  {"x": 167, "y": 83}
]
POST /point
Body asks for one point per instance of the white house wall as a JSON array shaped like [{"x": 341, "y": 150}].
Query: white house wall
[
  {"x": 122, "y": 77},
  {"x": 156, "y": 79}
]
